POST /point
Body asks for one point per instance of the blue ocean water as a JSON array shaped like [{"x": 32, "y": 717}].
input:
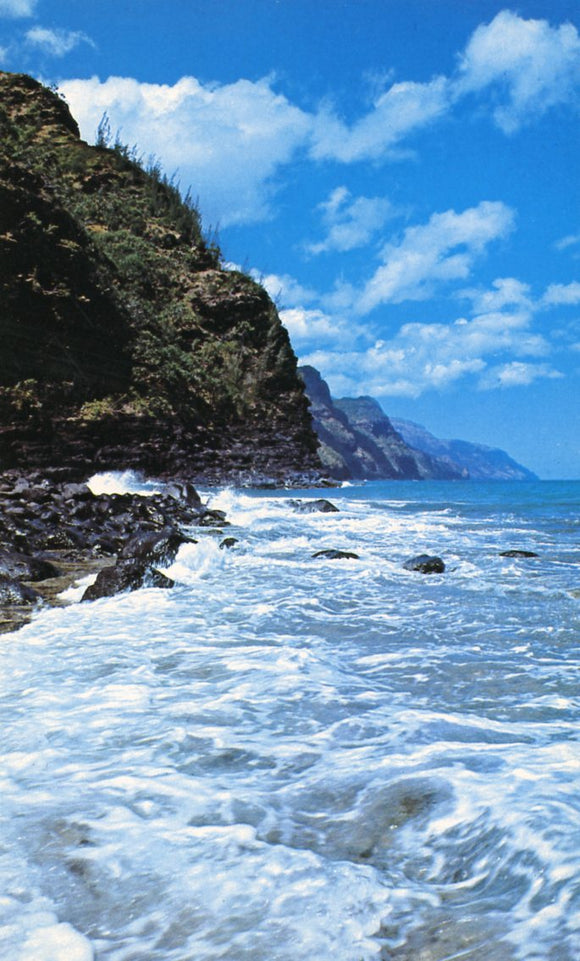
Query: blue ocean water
[{"x": 287, "y": 758}]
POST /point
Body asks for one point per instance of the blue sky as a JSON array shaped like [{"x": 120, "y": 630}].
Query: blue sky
[{"x": 403, "y": 175}]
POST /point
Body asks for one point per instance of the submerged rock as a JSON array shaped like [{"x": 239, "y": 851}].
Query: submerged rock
[
  {"x": 334, "y": 555},
  {"x": 425, "y": 564},
  {"x": 517, "y": 553}
]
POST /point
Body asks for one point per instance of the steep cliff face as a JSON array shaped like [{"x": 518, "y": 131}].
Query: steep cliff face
[
  {"x": 124, "y": 341},
  {"x": 357, "y": 440}
]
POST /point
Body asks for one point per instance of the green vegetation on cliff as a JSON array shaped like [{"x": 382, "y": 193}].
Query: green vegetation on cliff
[{"x": 115, "y": 311}]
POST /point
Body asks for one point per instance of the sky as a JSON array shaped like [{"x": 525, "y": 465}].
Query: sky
[{"x": 402, "y": 175}]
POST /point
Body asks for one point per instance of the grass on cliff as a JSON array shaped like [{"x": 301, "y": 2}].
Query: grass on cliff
[{"x": 204, "y": 343}]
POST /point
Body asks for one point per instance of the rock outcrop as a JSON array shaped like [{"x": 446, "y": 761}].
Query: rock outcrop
[{"x": 124, "y": 341}]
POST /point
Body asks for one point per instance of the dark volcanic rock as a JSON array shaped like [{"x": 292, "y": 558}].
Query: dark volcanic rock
[
  {"x": 13, "y": 592},
  {"x": 25, "y": 567},
  {"x": 517, "y": 553},
  {"x": 137, "y": 564},
  {"x": 155, "y": 547},
  {"x": 80, "y": 529},
  {"x": 332, "y": 554},
  {"x": 126, "y": 575},
  {"x": 425, "y": 564},
  {"x": 320, "y": 505},
  {"x": 228, "y": 542}
]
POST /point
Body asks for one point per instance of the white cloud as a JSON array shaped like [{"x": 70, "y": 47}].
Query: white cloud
[
  {"x": 350, "y": 221},
  {"x": 284, "y": 289},
  {"x": 402, "y": 109},
  {"x": 17, "y": 8},
  {"x": 534, "y": 66},
  {"x": 558, "y": 295},
  {"x": 517, "y": 374},
  {"x": 435, "y": 356},
  {"x": 505, "y": 292},
  {"x": 440, "y": 251},
  {"x": 571, "y": 240},
  {"x": 309, "y": 326},
  {"x": 226, "y": 140},
  {"x": 57, "y": 43},
  {"x": 230, "y": 141}
]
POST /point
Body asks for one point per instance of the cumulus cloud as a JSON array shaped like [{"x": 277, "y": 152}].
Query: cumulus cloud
[
  {"x": 558, "y": 295},
  {"x": 517, "y": 374},
  {"x": 505, "y": 292},
  {"x": 310, "y": 327},
  {"x": 397, "y": 113},
  {"x": 57, "y": 43},
  {"x": 227, "y": 140},
  {"x": 350, "y": 222},
  {"x": 436, "y": 356},
  {"x": 17, "y": 8},
  {"x": 284, "y": 289},
  {"x": 532, "y": 66},
  {"x": 231, "y": 141},
  {"x": 442, "y": 250}
]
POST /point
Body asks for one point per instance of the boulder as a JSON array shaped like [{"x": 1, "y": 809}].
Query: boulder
[
  {"x": 13, "y": 564},
  {"x": 320, "y": 505},
  {"x": 333, "y": 555},
  {"x": 156, "y": 548},
  {"x": 228, "y": 542},
  {"x": 126, "y": 575},
  {"x": 425, "y": 564}
]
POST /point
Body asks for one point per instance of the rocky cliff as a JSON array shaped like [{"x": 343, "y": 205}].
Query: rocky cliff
[
  {"x": 124, "y": 341},
  {"x": 358, "y": 441}
]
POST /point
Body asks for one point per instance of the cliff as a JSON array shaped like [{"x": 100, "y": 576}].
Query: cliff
[
  {"x": 476, "y": 460},
  {"x": 358, "y": 441},
  {"x": 124, "y": 341}
]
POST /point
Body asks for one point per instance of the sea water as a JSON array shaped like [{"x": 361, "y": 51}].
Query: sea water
[{"x": 288, "y": 758}]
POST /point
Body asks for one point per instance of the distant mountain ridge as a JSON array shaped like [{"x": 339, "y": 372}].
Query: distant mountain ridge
[
  {"x": 358, "y": 441},
  {"x": 477, "y": 460}
]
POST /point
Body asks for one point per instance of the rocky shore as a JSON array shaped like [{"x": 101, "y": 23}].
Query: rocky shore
[{"x": 53, "y": 532}]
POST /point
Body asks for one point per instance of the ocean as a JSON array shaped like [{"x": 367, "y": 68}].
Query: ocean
[{"x": 289, "y": 758}]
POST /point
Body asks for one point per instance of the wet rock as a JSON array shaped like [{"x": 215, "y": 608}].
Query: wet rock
[
  {"x": 425, "y": 564},
  {"x": 25, "y": 567},
  {"x": 517, "y": 553},
  {"x": 212, "y": 518},
  {"x": 156, "y": 548},
  {"x": 126, "y": 575},
  {"x": 228, "y": 542},
  {"x": 184, "y": 492},
  {"x": 320, "y": 505},
  {"x": 334, "y": 555},
  {"x": 13, "y": 592}
]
